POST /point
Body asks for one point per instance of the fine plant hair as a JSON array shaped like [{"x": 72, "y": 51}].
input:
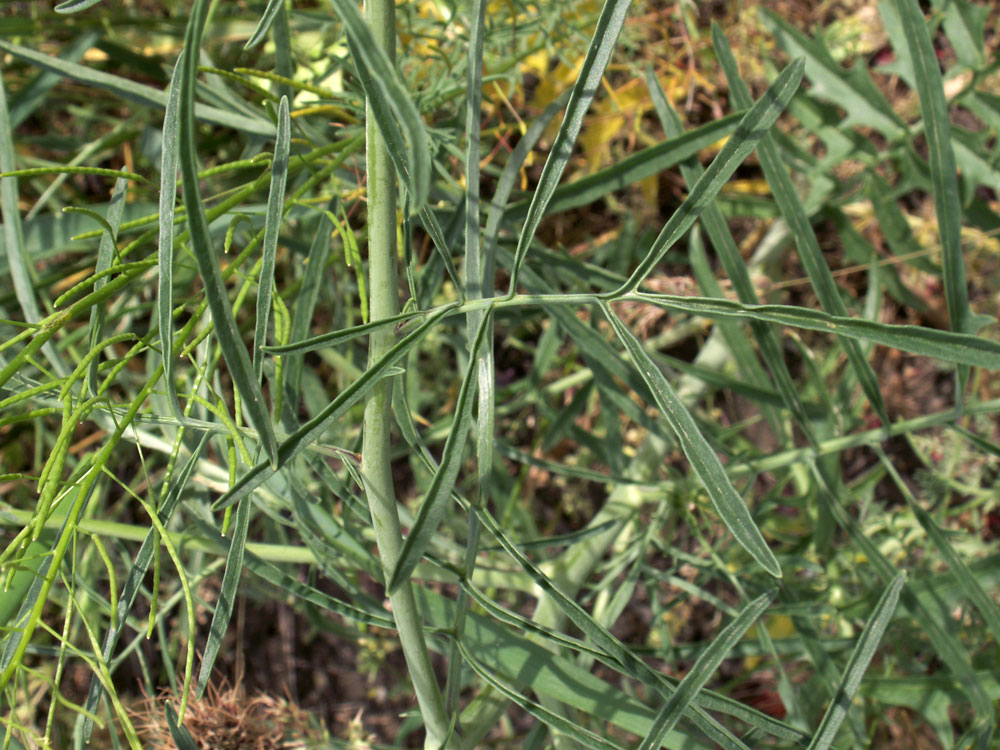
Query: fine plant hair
[{"x": 307, "y": 331}]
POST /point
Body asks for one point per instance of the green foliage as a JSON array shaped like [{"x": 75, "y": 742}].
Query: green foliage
[{"x": 651, "y": 456}]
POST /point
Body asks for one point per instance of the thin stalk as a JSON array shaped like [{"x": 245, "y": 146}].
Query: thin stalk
[{"x": 376, "y": 469}]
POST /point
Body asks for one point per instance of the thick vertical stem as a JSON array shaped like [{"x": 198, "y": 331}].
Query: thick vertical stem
[{"x": 375, "y": 463}]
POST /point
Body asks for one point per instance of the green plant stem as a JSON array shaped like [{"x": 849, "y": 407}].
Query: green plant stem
[{"x": 376, "y": 470}]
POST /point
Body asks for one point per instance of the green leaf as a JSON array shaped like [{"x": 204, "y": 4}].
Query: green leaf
[
  {"x": 964, "y": 24},
  {"x": 853, "y": 91},
  {"x": 944, "y": 178},
  {"x": 861, "y": 656},
  {"x": 272, "y": 228},
  {"x": 178, "y": 732},
  {"x": 334, "y": 338},
  {"x": 273, "y": 6},
  {"x": 227, "y": 594},
  {"x": 105, "y": 253},
  {"x": 395, "y": 113},
  {"x": 786, "y": 196},
  {"x": 165, "y": 241},
  {"x": 633, "y": 168},
  {"x": 705, "y": 463},
  {"x": 722, "y": 240},
  {"x": 753, "y": 125},
  {"x": 31, "y": 95},
  {"x": 230, "y": 341},
  {"x": 134, "y": 582},
  {"x": 705, "y": 665},
  {"x": 959, "y": 348},
  {"x": 136, "y": 92},
  {"x": 554, "y": 720},
  {"x": 75, "y": 6},
  {"x": 18, "y": 265},
  {"x": 312, "y": 430},
  {"x": 602, "y": 44},
  {"x": 433, "y": 508},
  {"x": 305, "y": 305},
  {"x": 602, "y": 637}
]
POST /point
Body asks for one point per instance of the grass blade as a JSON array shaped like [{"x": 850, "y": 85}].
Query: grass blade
[
  {"x": 272, "y": 228},
  {"x": 944, "y": 177},
  {"x": 959, "y": 348},
  {"x": 705, "y": 665},
  {"x": 786, "y": 196},
  {"x": 75, "y": 6},
  {"x": 305, "y": 305},
  {"x": 857, "y": 664},
  {"x": 31, "y": 96},
  {"x": 833, "y": 84},
  {"x": 602, "y": 44},
  {"x": 552, "y": 719},
  {"x": 135, "y": 92},
  {"x": 105, "y": 253},
  {"x": 395, "y": 113},
  {"x": 315, "y": 427},
  {"x": 722, "y": 240},
  {"x": 633, "y": 168},
  {"x": 233, "y": 349},
  {"x": 137, "y": 573},
  {"x": 178, "y": 732},
  {"x": 270, "y": 12},
  {"x": 727, "y": 502},
  {"x": 13, "y": 234},
  {"x": 227, "y": 594},
  {"x": 602, "y": 637},
  {"x": 754, "y": 124},
  {"x": 436, "y": 503},
  {"x": 165, "y": 242}
]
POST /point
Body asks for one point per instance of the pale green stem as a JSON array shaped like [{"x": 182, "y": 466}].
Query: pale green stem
[{"x": 376, "y": 470}]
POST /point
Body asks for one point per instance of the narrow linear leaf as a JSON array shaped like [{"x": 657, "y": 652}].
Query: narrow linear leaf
[
  {"x": 603, "y": 638},
  {"x": 75, "y": 6},
  {"x": 960, "y": 348},
  {"x": 27, "y": 100},
  {"x": 137, "y": 573},
  {"x": 394, "y": 112},
  {"x": 136, "y": 92},
  {"x": 754, "y": 124},
  {"x": 165, "y": 242},
  {"x": 227, "y": 594},
  {"x": 305, "y": 305},
  {"x": 552, "y": 719},
  {"x": 438, "y": 494},
  {"x": 633, "y": 168},
  {"x": 861, "y": 656},
  {"x": 588, "y": 82},
  {"x": 312, "y": 430},
  {"x": 705, "y": 463},
  {"x": 787, "y": 198},
  {"x": 944, "y": 177},
  {"x": 13, "y": 235},
  {"x": 178, "y": 732},
  {"x": 230, "y": 341},
  {"x": 335, "y": 338},
  {"x": 272, "y": 228},
  {"x": 105, "y": 254},
  {"x": 705, "y": 665},
  {"x": 832, "y": 83},
  {"x": 722, "y": 240},
  {"x": 270, "y": 12}
]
